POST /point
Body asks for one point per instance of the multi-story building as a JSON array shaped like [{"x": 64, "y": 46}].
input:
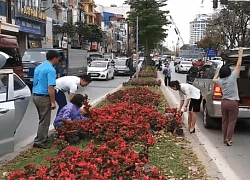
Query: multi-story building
[
  {"x": 32, "y": 22},
  {"x": 89, "y": 8},
  {"x": 114, "y": 25},
  {"x": 7, "y": 20},
  {"x": 197, "y": 28}
]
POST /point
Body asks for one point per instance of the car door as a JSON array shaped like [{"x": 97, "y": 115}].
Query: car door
[
  {"x": 7, "y": 114},
  {"x": 22, "y": 96},
  {"x": 204, "y": 81}
]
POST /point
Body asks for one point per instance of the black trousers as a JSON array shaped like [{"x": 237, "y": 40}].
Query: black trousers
[{"x": 167, "y": 81}]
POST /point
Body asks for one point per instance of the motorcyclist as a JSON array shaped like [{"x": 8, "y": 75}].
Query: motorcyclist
[{"x": 192, "y": 72}]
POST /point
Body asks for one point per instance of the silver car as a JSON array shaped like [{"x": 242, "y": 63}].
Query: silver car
[
  {"x": 121, "y": 68},
  {"x": 14, "y": 100},
  {"x": 212, "y": 94}
]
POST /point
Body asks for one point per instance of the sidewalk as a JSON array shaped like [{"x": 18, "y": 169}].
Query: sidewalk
[{"x": 215, "y": 165}]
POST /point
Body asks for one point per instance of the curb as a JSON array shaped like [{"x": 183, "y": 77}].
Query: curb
[
  {"x": 11, "y": 156},
  {"x": 214, "y": 163}
]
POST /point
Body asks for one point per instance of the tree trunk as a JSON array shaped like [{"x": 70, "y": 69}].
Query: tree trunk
[{"x": 147, "y": 53}]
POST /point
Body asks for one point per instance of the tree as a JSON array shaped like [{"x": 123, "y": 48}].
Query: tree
[
  {"x": 83, "y": 31},
  {"x": 151, "y": 22},
  {"x": 96, "y": 34},
  {"x": 230, "y": 25}
]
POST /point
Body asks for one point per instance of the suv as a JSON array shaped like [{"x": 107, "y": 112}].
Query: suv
[{"x": 212, "y": 93}]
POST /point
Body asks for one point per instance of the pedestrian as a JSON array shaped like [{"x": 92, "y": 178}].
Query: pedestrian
[
  {"x": 130, "y": 65},
  {"x": 191, "y": 97},
  {"x": 229, "y": 104},
  {"x": 44, "y": 96},
  {"x": 72, "y": 111},
  {"x": 167, "y": 73},
  {"x": 159, "y": 67},
  {"x": 69, "y": 84}
]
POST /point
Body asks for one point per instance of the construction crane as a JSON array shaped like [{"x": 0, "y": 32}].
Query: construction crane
[{"x": 176, "y": 30}]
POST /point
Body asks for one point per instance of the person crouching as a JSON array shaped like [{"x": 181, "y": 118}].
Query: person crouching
[{"x": 71, "y": 111}]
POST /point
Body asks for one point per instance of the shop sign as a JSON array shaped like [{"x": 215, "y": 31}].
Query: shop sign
[{"x": 32, "y": 12}]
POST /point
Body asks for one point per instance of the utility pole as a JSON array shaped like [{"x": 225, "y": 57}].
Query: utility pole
[{"x": 137, "y": 46}]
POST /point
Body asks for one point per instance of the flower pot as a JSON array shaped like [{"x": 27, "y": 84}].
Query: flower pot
[
  {"x": 73, "y": 140},
  {"x": 179, "y": 132}
]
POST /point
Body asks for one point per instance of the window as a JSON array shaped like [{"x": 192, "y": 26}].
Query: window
[
  {"x": 18, "y": 84},
  {"x": 3, "y": 83},
  {"x": 2, "y": 8},
  {"x": 205, "y": 69}
]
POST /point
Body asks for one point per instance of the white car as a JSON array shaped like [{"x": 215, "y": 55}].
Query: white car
[
  {"x": 101, "y": 70},
  {"x": 183, "y": 66}
]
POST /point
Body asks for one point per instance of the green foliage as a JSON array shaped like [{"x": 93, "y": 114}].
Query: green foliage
[
  {"x": 151, "y": 21},
  {"x": 87, "y": 32}
]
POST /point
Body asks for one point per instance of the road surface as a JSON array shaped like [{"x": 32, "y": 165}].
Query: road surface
[{"x": 236, "y": 156}]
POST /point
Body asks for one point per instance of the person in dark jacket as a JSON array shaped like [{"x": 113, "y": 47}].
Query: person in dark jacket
[{"x": 130, "y": 65}]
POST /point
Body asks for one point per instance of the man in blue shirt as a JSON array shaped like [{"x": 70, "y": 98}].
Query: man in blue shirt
[
  {"x": 167, "y": 73},
  {"x": 44, "y": 96}
]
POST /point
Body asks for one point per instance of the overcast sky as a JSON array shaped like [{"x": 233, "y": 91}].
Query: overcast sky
[{"x": 182, "y": 11}]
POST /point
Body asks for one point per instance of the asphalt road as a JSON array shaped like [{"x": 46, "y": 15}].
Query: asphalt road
[
  {"x": 236, "y": 156},
  {"x": 27, "y": 129}
]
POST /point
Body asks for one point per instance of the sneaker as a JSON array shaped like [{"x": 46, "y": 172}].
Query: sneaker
[{"x": 41, "y": 146}]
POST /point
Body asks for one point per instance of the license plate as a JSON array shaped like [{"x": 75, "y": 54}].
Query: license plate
[
  {"x": 94, "y": 75},
  {"x": 120, "y": 71},
  {"x": 25, "y": 70}
]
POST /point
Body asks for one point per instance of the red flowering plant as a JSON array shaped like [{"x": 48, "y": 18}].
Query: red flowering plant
[
  {"x": 143, "y": 82},
  {"x": 176, "y": 120},
  {"x": 140, "y": 95},
  {"x": 152, "y": 74},
  {"x": 130, "y": 121},
  {"x": 112, "y": 160}
]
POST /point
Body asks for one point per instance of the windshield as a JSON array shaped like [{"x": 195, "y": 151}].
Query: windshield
[
  {"x": 96, "y": 56},
  {"x": 121, "y": 62},
  {"x": 98, "y": 64},
  {"x": 36, "y": 56}
]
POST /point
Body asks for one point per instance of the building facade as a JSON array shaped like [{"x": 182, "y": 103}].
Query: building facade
[
  {"x": 197, "y": 28},
  {"x": 32, "y": 22},
  {"x": 89, "y": 8}
]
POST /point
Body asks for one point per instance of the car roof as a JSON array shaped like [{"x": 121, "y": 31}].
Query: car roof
[{"x": 43, "y": 49}]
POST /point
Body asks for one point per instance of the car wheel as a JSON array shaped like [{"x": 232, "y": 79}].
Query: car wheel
[{"x": 208, "y": 122}]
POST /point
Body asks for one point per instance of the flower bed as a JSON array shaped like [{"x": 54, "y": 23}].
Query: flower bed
[
  {"x": 133, "y": 122},
  {"x": 143, "y": 82},
  {"x": 139, "y": 95},
  {"x": 148, "y": 74},
  {"x": 112, "y": 160}
]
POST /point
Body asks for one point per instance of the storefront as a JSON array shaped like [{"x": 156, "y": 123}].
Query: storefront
[{"x": 32, "y": 29}]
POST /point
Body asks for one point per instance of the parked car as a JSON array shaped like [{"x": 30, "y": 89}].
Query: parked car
[
  {"x": 121, "y": 68},
  {"x": 14, "y": 100},
  {"x": 212, "y": 93},
  {"x": 101, "y": 70},
  {"x": 183, "y": 66}
]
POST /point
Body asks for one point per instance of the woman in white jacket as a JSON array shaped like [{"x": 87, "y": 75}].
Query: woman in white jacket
[{"x": 191, "y": 97}]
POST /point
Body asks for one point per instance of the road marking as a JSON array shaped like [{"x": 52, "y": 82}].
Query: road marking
[{"x": 213, "y": 153}]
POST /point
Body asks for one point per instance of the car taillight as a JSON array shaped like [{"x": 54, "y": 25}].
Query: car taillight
[{"x": 217, "y": 94}]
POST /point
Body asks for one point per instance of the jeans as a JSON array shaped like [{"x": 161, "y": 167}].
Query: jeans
[
  {"x": 59, "y": 125},
  {"x": 60, "y": 99},
  {"x": 167, "y": 80},
  {"x": 43, "y": 106}
]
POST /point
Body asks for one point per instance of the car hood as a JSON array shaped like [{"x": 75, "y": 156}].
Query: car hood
[
  {"x": 31, "y": 64},
  {"x": 120, "y": 67},
  {"x": 96, "y": 68},
  {"x": 231, "y": 56}
]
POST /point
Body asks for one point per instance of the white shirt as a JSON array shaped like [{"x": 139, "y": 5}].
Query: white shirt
[
  {"x": 68, "y": 84},
  {"x": 189, "y": 90}
]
